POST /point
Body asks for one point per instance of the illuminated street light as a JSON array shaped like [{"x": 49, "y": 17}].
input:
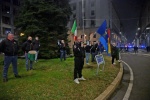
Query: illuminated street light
[
  {"x": 148, "y": 28},
  {"x": 21, "y": 34}
]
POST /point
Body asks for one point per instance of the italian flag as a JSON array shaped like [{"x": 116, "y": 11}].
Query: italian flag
[{"x": 74, "y": 30}]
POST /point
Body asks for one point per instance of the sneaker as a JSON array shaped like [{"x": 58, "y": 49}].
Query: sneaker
[
  {"x": 87, "y": 63},
  {"x": 76, "y": 81},
  {"x": 114, "y": 63},
  {"x": 82, "y": 78},
  {"x": 5, "y": 79},
  {"x": 17, "y": 76},
  {"x": 119, "y": 61}
]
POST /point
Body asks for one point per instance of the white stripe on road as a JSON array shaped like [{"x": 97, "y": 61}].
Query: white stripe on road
[{"x": 128, "y": 92}]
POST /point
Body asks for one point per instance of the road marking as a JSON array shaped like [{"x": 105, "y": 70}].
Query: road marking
[
  {"x": 138, "y": 54},
  {"x": 128, "y": 92}
]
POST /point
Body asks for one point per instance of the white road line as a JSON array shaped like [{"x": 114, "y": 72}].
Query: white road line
[{"x": 128, "y": 92}]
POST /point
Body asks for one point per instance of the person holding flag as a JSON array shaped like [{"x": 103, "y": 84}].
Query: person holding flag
[
  {"x": 74, "y": 30},
  {"x": 79, "y": 55}
]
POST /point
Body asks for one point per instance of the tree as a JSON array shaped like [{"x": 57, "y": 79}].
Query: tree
[{"x": 47, "y": 19}]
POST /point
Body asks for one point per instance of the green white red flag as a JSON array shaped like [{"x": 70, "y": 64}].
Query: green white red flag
[{"x": 74, "y": 30}]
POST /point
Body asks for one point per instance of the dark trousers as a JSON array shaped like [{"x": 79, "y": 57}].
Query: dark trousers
[
  {"x": 78, "y": 66},
  {"x": 7, "y": 61},
  {"x": 113, "y": 58},
  {"x": 62, "y": 54},
  {"x": 93, "y": 56}
]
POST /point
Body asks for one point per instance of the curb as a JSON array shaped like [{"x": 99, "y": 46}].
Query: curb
[{"x": 112, "y": 87}]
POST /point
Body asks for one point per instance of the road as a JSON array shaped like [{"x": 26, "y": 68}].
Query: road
[{"x": 140, "y": 84}]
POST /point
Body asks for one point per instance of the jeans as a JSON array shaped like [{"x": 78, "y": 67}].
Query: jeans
[
  {"x": 36, "y": 55},
  {"x": 62, "y": 54},
  {"x": 93, "y": 56},
  {"x": 7, "y": 61},
  {"x": 87, "y": 55},
  {"x": 27, "y": 62}
]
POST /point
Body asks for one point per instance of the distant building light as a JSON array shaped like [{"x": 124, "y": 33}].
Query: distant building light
[
  {"x": 138, "y": 28},
  {"x": 148, "y": 28},
  {"x": 136, "y": 33},
  {"x": 7, "y": 12}
]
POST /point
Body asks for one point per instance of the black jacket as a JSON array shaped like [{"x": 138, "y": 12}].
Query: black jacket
[
  {"x": 78, "y": 51},
  {"x": 27, "y": 46},
  {"x": 9, "y": 48},
  {"x": 87, "y": 48},
  {"x": 62, "y": 46},
  {"x": 36, "y": 45},
  {"x": 114, "y": 50}
]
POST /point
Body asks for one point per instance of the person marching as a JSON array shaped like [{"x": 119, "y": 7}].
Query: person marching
[
  {"x": 10, "y": 48},
  {"x": 79, "y": 55}
]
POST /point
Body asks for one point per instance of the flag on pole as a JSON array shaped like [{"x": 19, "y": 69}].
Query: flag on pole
[
  {"x": 102, "y": 28},
  {"x": 74, "y": 30},
  {"x": 109, "y": 48},
  {"x": 103, "y": 41}
]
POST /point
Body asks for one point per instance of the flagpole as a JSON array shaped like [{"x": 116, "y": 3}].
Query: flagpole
[{"x": 83, "y": 19}]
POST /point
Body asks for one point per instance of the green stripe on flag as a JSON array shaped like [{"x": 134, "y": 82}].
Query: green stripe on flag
[{"x": 74, "y": 27}]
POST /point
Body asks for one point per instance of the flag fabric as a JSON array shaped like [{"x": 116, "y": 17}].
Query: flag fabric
[
  {"x": 109, "y": 47},
  {"x": 106, "y": 37},
  {"x": 102, "y": 28},
  {"x": 103, "y": 41},
  {"x": 74, "y": 30}
]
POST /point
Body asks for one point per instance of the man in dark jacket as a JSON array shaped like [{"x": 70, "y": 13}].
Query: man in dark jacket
[
  {"x": 36, "y": 46},
  {"x": 79, "y": 55},
  {"x": 9, "y": 47},
  {"x": 62, "y": 48},
  {"x": 93, "y": 51},
  {"x": 114, "y": 53},
  {"x": 26, "y": 47},
  {"x": 87, "y": 53}
]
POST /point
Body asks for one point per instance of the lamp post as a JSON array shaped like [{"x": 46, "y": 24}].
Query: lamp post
[{"x": 83, "y": 19}]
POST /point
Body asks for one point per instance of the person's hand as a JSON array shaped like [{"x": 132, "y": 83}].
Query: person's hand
[{"x": 75, "y": 46}]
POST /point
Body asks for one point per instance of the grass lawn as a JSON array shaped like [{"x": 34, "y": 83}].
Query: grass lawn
[{"x": 53, "y": 80}]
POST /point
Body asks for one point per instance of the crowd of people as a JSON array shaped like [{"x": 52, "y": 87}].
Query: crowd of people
[{"x": 10, "y": 48}]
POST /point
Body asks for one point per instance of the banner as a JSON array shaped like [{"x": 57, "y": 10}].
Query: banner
[{"x": 100, "y": 60}]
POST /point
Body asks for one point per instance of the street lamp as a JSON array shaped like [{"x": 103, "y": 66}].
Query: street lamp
[{"x": 83, "y": 18}]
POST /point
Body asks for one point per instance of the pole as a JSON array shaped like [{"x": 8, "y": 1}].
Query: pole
[{"x": 83, "y": 19}]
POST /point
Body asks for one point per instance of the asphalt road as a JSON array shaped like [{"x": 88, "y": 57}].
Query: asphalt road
[{"x": 140, "y": 65}]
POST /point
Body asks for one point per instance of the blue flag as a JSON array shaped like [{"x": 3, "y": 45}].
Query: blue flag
[
  {"x": 106, "y": 38},
  {"x": 102, "y": 28},
  {"x": 103, "y": 41}
]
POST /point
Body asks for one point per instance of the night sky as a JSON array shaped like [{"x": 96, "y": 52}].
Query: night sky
[{"x": 129, "y": 12}]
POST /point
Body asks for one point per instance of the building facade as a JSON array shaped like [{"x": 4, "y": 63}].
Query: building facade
[
  {"x": 90, "y": 14},
  {"x": 144, "y": 36},
  {"x": 8, "y": 11}
]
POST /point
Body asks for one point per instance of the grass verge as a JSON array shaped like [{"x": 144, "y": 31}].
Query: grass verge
[{"x": 53, "y": 80}]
